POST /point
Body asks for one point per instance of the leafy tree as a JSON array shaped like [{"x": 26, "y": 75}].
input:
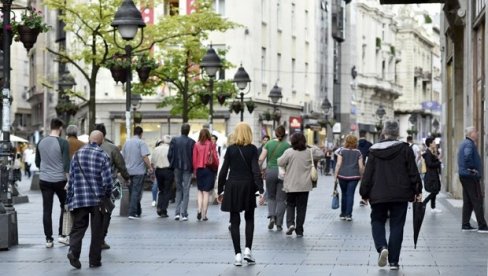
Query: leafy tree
[
  {"x": 180, "y": 65},
  {"x": 93, "y": 43}
]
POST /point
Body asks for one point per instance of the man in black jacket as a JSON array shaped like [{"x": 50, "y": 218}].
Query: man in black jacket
[
  {"x": 180, "y": 157},
  {"x": 390, "y": 180}
]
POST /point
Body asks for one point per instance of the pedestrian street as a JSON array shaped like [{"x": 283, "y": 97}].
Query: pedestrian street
[{"x": 163, "y": 246}]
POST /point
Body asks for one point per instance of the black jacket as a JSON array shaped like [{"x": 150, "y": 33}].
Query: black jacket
[
  {"x": 363, "y": 147},
  {"x": 391, "y": 174},
  {"x": 431, "y": 179},
  {"x": 180, "y": 153}
]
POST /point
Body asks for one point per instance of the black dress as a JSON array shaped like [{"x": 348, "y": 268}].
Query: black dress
[
  {"x": 432, "y": 181},
  {"x": 240, "y": 178}
]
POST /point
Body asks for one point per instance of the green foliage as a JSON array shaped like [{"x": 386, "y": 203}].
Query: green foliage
[
  {"x": 32, "y": 19},
  {"x": 427, "y": 19},
  {"x": 145, "y": 60},
  {"x": 117, "y": 61}
]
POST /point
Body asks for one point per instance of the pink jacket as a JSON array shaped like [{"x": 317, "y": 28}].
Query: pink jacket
[{"x": 200, "y": 154}]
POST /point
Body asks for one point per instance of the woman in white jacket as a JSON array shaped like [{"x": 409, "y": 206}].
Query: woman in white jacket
[{"x": 298, "y": 163}]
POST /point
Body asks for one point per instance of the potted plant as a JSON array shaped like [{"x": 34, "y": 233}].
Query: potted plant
[
  {"x": 266, "y": 115},
  {"x": 144, "y": 65},
  {"x": 205, "y": 98},
  {"x": 119, "y": 66},
  {"x": 10, "y": 35},
  {"x": 31, "y": 24},
  {"x": 221, "y": 97},
  {"x": 250, "y": 106},
  {"x": 236, "y": 106}
]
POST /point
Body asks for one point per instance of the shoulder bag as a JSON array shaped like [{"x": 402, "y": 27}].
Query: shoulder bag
[
  {"x": 335, "y": 196},
  {"x": 313, "y": 171},
  {"x": 212, "y": 164},
  {"x": 105, "y": 204}
]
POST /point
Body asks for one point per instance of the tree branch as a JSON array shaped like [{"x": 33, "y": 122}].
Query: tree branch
[{"x": 70, "y": 60}]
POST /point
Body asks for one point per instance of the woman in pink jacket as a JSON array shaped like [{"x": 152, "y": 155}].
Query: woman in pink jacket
[{"x": 205, "y": 164}]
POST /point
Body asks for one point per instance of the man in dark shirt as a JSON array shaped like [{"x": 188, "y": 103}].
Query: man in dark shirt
[
  {"x": 180, "y": 157},
  {"x": 363, "y": 147},
  {"x": 90, "y": 181}
]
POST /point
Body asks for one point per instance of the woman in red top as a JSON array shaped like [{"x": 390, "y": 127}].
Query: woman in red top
[{"x": 205, "y": 164}]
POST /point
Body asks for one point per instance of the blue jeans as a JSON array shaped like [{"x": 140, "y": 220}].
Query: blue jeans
[
  {"x": 183, "y": 183},
  {"x": 136, "y": 185},
  {"x": 348, "y": 188},
  {"x": 154, "y": 190},
  {"x": 398, "y": 214}
]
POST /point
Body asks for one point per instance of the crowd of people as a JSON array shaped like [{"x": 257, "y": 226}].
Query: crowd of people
[{"x": 390, "y": 174}]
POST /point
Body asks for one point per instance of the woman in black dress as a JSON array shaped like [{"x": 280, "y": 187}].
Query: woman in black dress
[
  {"x": 432, "y": 182},
  {"x": 239, "y": 179}
]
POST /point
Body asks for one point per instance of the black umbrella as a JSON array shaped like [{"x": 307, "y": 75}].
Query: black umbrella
[{"x": 418, "y": 217}]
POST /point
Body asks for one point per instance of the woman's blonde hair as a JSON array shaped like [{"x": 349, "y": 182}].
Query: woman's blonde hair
[
  {"x": 351, "y": 142},
  {"x": 242, "y": 134}
]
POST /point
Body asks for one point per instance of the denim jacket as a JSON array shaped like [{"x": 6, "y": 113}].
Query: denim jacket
[
  {"x": 181, "y": 153},
  {"x": 469, "y": 160}
]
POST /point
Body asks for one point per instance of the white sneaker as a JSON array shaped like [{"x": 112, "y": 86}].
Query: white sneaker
[
  {"x": 383, "y": 258},
  {"x": 132, "y": 217},
  {"x": 238, "y": 259},
  {"x": 49, "y": 243},
  {"x": 184, "y": 218},
  {"x": 248, "y": 256},
  {"x": 153, "y": 204},
  {"x": 177, "y": 217},
  {"x": 436, "y": 210},
  {"x": 64, "y": 240}
]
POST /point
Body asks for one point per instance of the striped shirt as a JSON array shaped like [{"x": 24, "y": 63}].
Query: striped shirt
[{"x": 85, "y": 190}]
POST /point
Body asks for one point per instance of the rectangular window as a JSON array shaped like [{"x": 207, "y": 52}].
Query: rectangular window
[
  {"x": 220, "y": 7},
  {"x": 263, "y": 65},
  {"x": 293, "y": 65}
]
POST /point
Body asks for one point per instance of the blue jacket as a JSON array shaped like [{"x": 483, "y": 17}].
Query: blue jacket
[
  {"x": 469, "y": 160},
  {"x": 180, "y": 153}
]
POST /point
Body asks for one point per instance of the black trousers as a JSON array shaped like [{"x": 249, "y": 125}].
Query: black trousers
[
  {"x": 235, "y": 221},
  {"x": 431, "y": 197},
  {"x": 81, "y": 218},
  {"x": 165, "y": 178},
  {"x": 296, "y": 202},
  {"x": 48, "y": 189},
  {"x": 472, "y": 200},
  {"x": 397, "y": 214},
  {"x": 106, "y": 223}
]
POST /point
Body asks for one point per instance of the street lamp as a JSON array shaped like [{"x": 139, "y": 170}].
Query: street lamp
[
  {"x": 66, "y": 82},
  {"x": 128, "y": 20},
  {"x": 136, "y": 104},
  {"x": 211, "y": 63},
  {"x": 275, "y": 95},
  {"x": 241, "y": 78},
  {"x": 326, "y": 106},
  {"x": 380, "y": 113},
  {"x": 413, "y": 120},
  {"x": 435, "y": 124}
]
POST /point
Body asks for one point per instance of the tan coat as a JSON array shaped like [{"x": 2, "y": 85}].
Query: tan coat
[{"x": 297, "y": 165}]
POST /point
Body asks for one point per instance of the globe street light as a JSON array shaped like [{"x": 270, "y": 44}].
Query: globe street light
[
  {"x": 128, "y": 20},
  {"x": 241, "y": 78},
  {"x": 326, "y": 106},
  {"x": 210, "y": 64},
  {"x": 380, "y": 112},
  {"x": 275, "y": 95}
]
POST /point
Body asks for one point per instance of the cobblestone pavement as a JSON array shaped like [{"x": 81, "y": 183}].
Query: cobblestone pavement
[{"x": 157, "y": 246}]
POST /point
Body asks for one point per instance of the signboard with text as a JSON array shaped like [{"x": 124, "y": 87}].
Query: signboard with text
[{"x": 295, "y": 124}]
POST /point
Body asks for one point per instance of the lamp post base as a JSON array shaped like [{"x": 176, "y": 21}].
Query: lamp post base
[{"x": 9, "y": 235}]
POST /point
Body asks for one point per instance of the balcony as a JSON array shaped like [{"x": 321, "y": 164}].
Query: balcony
[
  {"x": 427, "y": 77},
  {"x": 418, "y": 72}
]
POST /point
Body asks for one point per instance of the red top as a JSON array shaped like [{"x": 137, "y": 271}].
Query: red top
[{"x": 201, "y": 153}]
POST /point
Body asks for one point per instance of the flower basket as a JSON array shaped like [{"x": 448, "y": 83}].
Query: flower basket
[
  {"x": 28, "y": 36},
  {"x": 250, "y": 106},
  {"x": 236, "y": 107},
  {"x": 137, "y": 117},
  {"x": 66, "y": 107},
  {"x": 266, "y": 116},
  {"x": 205, "y": 98},
  {"x": 143, "y": 73},
  {"x": 29, "y": 27},
  {"x": 144, "y": 65},
  {"x": 221, "y": 98},
  {"x": 119, "y": 73},
  {"x": 277, "y": 115}
]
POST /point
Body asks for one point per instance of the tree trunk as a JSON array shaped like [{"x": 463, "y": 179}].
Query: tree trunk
[{"x": 185, "y": 90}]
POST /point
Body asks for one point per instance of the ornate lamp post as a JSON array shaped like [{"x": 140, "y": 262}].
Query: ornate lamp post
[
  {"x": 413, "y": 120},
  {"x": 380, "y": 113},
  {"x": 326, "y": 107},
  {"x": 65, "y": 107},
  {"x": 275, "y": 95},
  {"x": 136, "y": 104},
  {"x": 241, "y": 78},
  {"x": 211, "y": 63},
  {"x": 128, "y": 20},
  {"x": 435, "y": 124}
]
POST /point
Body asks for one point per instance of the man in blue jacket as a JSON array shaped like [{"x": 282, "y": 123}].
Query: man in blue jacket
[{"x": 470, "y": 173}]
